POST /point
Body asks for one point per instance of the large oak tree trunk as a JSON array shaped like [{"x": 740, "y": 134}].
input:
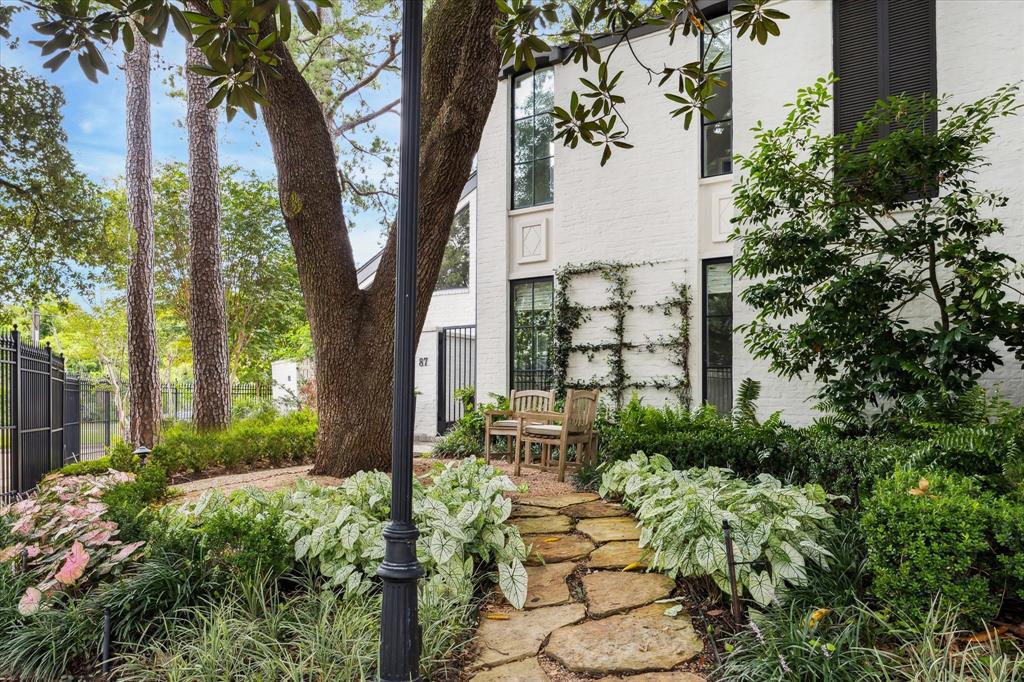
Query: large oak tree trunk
[
  {"x": 352, "y": 330},
  {"x": 143, "y": 382},
  {"x": 208, "y": 321}
]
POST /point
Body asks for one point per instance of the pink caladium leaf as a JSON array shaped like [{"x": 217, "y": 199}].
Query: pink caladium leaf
[
  {"x": 24, "y": 525},
  {"x": 8, "y": 553},
  {"x": 33, "y": 551},
  {"x": 126, "y": 552},
  {"x": 30, "y": 601},
  {"x": 74, "y": 564},
  {"x": 96, "y": 537}
]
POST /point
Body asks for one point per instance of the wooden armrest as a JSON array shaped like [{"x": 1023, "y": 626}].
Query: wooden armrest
[
  {"x": 498, "y": 413},
  {"x": 543, "y": 416}
]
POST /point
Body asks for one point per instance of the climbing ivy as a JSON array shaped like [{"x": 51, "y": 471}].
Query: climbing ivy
[{"x": 570, "y": 316}]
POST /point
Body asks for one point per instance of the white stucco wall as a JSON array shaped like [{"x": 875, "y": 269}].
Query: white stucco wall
[{"x": 649, "y": 202}]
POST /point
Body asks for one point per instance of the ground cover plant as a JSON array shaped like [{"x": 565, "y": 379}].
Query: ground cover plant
[
  {"x": 284, "y": 582},
  {"x": 777, "y": 530}
]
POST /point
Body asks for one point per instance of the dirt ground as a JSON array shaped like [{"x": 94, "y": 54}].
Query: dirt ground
[{"x": 539, "y": 482}]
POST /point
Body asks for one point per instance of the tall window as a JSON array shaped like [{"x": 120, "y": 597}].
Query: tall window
[
  {"x": 455, "y": 263},
  {"x": 533, "y": 129},
  {"x": 717, "y": 313},
  {"x": 882, "y": 48},
  {"x": 530, "y": 345},
  {"x": 716, "y": 130}
]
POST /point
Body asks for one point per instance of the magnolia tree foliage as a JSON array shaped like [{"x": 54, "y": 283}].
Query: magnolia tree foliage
[
  {"x": 871, "y": 262},
  {"x": 241, "y": 57}
]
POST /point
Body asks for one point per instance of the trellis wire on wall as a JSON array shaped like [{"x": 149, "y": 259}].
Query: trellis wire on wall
[{"x": 570, "y": 316}]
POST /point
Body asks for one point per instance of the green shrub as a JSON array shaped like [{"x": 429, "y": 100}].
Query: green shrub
[
  {"x": 129, "y": 504},
  {"x": 290, "y": 438},
  {"x": 929, "y": 535},
  {"x": 91, "y": 467},
  {"x": 466, "y": 437}
]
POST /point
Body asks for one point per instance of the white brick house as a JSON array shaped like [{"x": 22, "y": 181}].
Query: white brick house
[{"x": 662, "y": 202}]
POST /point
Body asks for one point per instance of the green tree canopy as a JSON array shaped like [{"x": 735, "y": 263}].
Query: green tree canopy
[
  {"x": 50, "y": 214},
  {"x": 872, "y": 265}
]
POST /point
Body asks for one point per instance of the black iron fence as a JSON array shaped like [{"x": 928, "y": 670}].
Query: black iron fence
[
  {"x": 456, "y": 368},
  {"x": 49, "y": 418},
  {"x": 177, "y": 400}
]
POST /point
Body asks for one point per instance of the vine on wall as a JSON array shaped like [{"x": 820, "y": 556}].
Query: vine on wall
[{"x": 570, "y": 316}]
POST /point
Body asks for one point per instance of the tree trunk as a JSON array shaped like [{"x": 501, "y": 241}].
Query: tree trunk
[
  {"x": 352, "y": 330},
  {"x": 208, "y": 321},
  {"x": 143, "y": 381}
]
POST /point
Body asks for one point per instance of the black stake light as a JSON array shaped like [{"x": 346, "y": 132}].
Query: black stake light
[{"x": 400, "y": 628}]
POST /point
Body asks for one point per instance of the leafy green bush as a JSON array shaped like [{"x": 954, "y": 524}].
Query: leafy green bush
[
  {"x": 290, "y": 438},
  {"x": 129, "y": 504},
  {"x": 91, "y": 467},
  {"x": 466, "y": 437},
  {"x": 929, "y": 535},
  {"x": 777, "y": 530}
]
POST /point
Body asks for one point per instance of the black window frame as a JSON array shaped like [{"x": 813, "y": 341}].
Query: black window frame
[
  {"x": 547, "y": 384},
  {"x": 704, "y": 317},
  {"x": 512, "y": 141},
  {"x": 711, "y": 14},
  {"x": 469, "y": 250}
]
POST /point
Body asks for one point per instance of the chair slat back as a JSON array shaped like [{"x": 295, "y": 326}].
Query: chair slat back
[
  {"x": 581, "y": 410},
  {"x": 531, "y": 401}
]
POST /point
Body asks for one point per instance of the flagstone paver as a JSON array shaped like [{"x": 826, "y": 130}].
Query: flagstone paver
[
  {"x": 547, "y": 586},
  {"x": 524, "y": 511},
  {"x": 521, "y": 635},
  {"x": 610, "y": 592},
  {"x": 604, "y": 622},
  {"x": 593, "y": 510},
  {"x": 558, "y": 501},
  {"x": 610, "y": 530},
  {"x": 617, "y": 555},
  {"x": 543, "y": 524},
  {"x": 637, "y": 641},
  {"x": 526, "y": 670},
  {"x": 675, "y": 676},
  {"x": 548, "y": 549}
]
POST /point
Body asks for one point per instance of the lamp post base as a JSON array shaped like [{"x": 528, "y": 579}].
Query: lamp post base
[{"x": 400, "y": 635}]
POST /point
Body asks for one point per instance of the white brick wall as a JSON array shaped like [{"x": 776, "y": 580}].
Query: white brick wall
[{"x": 649, "y": 203}]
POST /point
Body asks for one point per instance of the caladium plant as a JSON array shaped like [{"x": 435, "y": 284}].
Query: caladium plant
[
  {"x": 776, "y": 528},
  {"x": 461, "y": 516},
  {"x": 62, "y": 537}
]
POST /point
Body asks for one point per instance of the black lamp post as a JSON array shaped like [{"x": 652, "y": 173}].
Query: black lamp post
[{"x": 400, "y": 628}]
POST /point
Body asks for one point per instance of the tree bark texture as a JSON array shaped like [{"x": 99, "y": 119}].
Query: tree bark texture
[
  {"x": 353, "y": 330},
  {"x": 143, "y": 384},
  {"x": 208, "y": 315}
]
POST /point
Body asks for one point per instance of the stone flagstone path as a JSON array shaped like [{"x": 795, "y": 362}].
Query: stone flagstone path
[{"x": 583, "y": 612}]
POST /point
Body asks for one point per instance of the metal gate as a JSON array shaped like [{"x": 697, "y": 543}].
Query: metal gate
[
  {"x": 32, "y": 403},
  {"x": 456, "y": 368}
]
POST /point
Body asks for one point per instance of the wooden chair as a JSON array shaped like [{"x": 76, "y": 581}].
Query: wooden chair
[
  {"x": 518, "y": 401},
  {"x": 573, "y": 426}
]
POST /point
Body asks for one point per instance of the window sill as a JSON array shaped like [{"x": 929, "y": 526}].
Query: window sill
[
  {"x": 716, "y": 180},
  {"x": 451, "y": 292},
  {"x": 531, "y": 209}
]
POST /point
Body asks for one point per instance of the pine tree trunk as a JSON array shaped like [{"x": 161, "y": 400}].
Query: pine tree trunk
[
  {"x": 209, "y": 322},
  {"x": 352, "y": 330},
  {"x": 144, "y": 392}
]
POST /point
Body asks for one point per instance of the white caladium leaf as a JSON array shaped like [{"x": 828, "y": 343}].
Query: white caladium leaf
[
  {"x": 443, "y": 547},
  {"x": 512, "y": 580},
  {"x": 761, "y": 587}
]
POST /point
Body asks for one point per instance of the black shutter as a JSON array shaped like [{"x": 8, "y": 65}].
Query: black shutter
[
  {"x": 881, "y": 48},
  {"x": 912, "y": 49}
]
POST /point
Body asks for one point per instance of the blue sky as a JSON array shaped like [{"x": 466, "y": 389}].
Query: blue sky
[{"x": 94, "y": 119}]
